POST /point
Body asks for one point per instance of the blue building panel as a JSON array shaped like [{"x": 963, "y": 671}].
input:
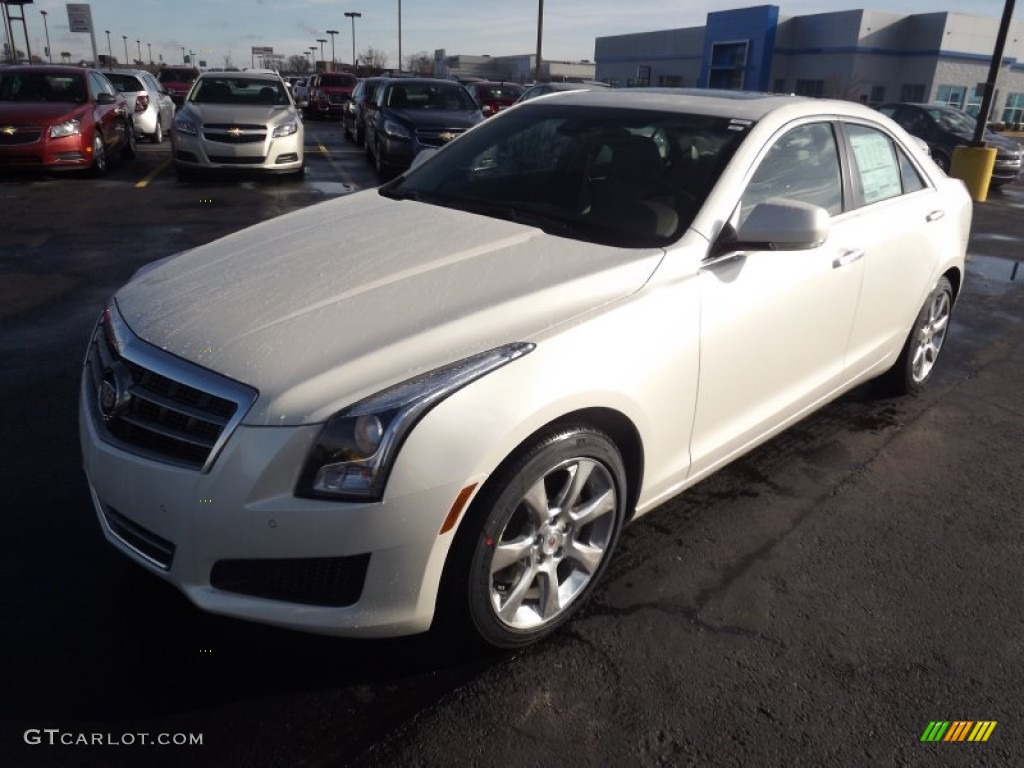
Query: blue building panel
[{"x": 738, "y": 48}]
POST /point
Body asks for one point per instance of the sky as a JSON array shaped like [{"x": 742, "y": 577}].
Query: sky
[{"x": 223, "y": 32}]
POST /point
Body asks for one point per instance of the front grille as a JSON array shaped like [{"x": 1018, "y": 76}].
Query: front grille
[
  {"x": 156, "y": 549},
  {"x": 20, "y": 136},
  {"x": 437, "y": 137},
  {"x": 328, "y": 581},
  {"x": 232, "y": 160},
  {"x": 156, "y": 405},
  {"x": 337, "y": 98},
  {"x": 234, "y": 134}
]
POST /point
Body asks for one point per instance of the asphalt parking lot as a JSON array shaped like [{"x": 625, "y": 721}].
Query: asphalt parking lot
[{"x": 819, "y": 602}]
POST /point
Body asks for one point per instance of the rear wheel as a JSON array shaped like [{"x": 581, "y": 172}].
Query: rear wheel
[
  {"x": 158, "y": 134},
  {"x": 130, "y": 148},
  {"x": 942, "y": 161},
  {"x": 921, "y": 350},
  {"x": 539, "y": 537}
]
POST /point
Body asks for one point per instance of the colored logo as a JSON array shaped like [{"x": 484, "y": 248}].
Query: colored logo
[{"x": 958, "y": 730}]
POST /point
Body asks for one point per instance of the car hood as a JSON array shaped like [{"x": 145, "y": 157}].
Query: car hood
[
  {"x": 439, "y": 117},
  {"x": 236, "y": 114},
  {"x": 329, "y": 304},
  {"x": 37, "y": 112}
]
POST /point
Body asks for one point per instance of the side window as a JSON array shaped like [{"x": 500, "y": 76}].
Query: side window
[
  {"x": 801, "y": 165},
  {"x": 877, "y": 166},
  {"x": 913, "y": 121},
  {"x": 912, "y": 180}
]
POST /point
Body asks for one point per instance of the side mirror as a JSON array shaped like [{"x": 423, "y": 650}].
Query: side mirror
[
  {"x": 105, "y": 98},
  {"x": 780, "y": 224}
]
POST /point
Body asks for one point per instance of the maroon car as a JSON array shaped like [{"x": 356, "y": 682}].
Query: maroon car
[
  {"x": 56, "y": 118},
  {"x": 328, "y": 93},
  {"x": 494, "y": 97},
  {"x": 177, "y": 81}
]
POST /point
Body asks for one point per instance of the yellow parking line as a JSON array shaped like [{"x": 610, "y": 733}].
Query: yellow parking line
[
  {"x": 156, "y": 171},
  {"x": 345, "y": 176}
]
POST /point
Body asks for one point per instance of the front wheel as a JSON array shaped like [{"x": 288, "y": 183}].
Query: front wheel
[
  {"x": 129, "y": 148},
  {"x": 921, "y": 350},
  {"x": 99, "y": 156},
  {"x": 540, "y": 536},
  {"x": 158, "y": 134}
]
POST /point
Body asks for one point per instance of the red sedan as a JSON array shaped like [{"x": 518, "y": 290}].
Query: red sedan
[{"x": 55, "y": 118}]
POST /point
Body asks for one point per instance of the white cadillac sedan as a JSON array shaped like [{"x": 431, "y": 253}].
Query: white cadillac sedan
[{"x": 443, "y": 398}]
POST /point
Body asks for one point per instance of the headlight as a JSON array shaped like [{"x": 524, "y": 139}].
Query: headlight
[
  {"x": 395, "y": 130},
  {"x": 184, "y": 126},
  {"x": 353, "y": 456},
  {"x": 67, "y": 128},
  {"x": 285, "y": 129}
]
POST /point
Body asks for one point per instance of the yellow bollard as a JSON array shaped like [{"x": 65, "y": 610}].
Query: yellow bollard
[{"x": 974, "y": 165}]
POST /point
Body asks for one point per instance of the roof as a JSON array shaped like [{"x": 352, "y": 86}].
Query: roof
[{"x": 739, "y": 104}]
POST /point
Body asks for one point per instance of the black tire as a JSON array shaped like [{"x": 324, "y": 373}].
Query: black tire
[
  {"x": 379, "y": 164},
  {"x": 99, "y": 166},
  {"x": 920, "y": 351},
  {"x": 942, "y": 161},
  {"x": 130, "y": 148},
  {"x": 158, "y": 134},
  {"x": 552, "y": 513}
]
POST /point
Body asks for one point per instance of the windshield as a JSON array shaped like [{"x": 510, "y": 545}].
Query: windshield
[
  {"x": 413, "y": 95},
  {"x": 239, "y": 90},
  {"x": 952, "y": 120},
  {"x": 613, "y": 176},
  {"x": 338, "y": 81},
  {"x": 41, "y": 87}
]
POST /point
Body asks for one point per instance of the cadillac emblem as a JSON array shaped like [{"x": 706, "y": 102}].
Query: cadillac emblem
[{"x": 114, "y": 395}]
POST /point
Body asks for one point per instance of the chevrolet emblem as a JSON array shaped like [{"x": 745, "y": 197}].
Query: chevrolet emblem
[
  {"x": 8, "y": 130},
  {"x": 446, "y": 136},
  {"x": 235, "y": 132}
]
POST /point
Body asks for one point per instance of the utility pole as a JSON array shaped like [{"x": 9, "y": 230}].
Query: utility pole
[
  {"x": 49, "y": 56},
  {"x": 150, "y": 47},
  {"x": 354, "y": 15},
  {"x": 139, "y": 43},
  {"x": 322, "y": 40},
  {"x": 540, "y": 35},
  {"x": 110, "y": 53},
  {"x": 125, "y": 38},
  {"x": 334, "y": 63}
]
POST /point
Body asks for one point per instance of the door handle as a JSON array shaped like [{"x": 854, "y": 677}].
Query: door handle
[
  {"x": 934, "y": 216},
  {"x": 848, "y": 258}
]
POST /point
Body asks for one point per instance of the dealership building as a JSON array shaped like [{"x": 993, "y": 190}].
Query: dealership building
[{"x": 861, "y": 55}]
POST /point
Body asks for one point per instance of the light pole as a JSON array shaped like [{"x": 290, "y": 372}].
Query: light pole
[
  {"x": 49, "y": 57},
  {"x": 125, "y": 37},
  {"x": 312, "y": 58},
  {"x": 334, "y": 63},
  {"x": 139, "y": 44},
  {"x": 150, "y": 47},
  {"x": 400, "y": 35},
  {"x": 110, "y": 53},
  {"x": 353, "y": 15},
  {"x": 540, "y": 32},
  {"x": 183, "y": 54},
  {"x": 321, "y": 40}
]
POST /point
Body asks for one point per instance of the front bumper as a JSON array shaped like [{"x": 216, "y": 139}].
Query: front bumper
[
  {"x": 43, "y": 152},
  {"x": 270, "y": 154},
  {"x": 237, "y": 542}
]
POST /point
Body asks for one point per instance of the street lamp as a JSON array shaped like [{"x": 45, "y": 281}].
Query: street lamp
[
  {"x": 334, "y": 63},
  {"x": 312, "y": 58},
  {"x": 540, "y": 32},
  {"x": 110, "y": 53},
  {"x": 125, "y": 37},
  {"x": 321, "y": 40},
  {"x": 139, "y": 44},
  {"x": 353, "y": 15},
  {"x": 47, "y": 29},
  {"x": 183, "y": 54},
  {"x": 150, "y": 47},
  {"x": 400, "y": 35}
]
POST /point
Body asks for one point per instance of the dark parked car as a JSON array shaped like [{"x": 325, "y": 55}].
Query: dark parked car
[
  {"x": 177, "y": 81},
  {"x": 494, "y": 97},
  {"x": 413, "y": 114},
  {"x": 328, "y": 94},
  {"x": 540, "y": 89},
  {"x": 55, "y": 118},
  {"x": 354, "y": 117},
  {"x": 945, "y": 128}
]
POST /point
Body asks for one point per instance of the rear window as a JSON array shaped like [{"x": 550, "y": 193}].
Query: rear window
[
  {"x": 338, "y": 81},
  {"x": 125, "y": 83},
  {"x": 500, "y": 92},
  {"x": 178, "y": 75}
]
